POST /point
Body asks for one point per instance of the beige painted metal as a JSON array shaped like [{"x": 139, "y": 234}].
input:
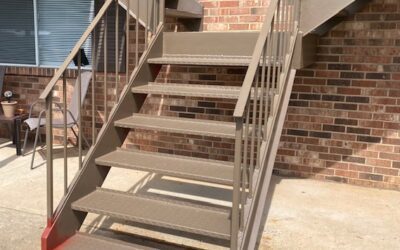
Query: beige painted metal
[
  {"x": 193, "y": 90},
  {"x": 316, "y": 12},
  {"x": 157, "y": 212},
  {"x": 179, "y": 125},
  {"x": 210, "y": 43},
  {"x": 220, "y": 172}
]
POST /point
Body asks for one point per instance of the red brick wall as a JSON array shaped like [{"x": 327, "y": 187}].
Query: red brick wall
[
  {"x": 343, "y": 122},
  {"x": 231, "y": 15}
]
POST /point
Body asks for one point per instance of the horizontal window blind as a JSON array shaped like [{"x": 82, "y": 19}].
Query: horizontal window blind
[
  {"x": 61, "y": 24},
  {"x": 17, "y": 32}
]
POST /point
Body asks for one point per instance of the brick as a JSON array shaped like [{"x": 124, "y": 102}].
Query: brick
[
  {"x": 370, "y": 139},
  {"x": 297, "y": 132},
  {"x": 340, "y": 121},
  {"x": 320, "y": 134},
  {"x": 372, "y": 177},
  {"x": 357, "y": 130},
  {"x": 347, "y": 158},
  {"x": 357, "y": 99},
  {"x": 333, "y": 128},
  {"x": 345, "y": 106}
]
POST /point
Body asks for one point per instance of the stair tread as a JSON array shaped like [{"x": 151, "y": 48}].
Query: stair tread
[
  {"x": 193, "y": 90},
  {"x": 214, "y": 60},
  {"x": 179, "y": 125},
  {"x": 156, "y": 212},
  {"x": 93, "y": 242},
  {"x": 172, "y": 165},
  {"x": 181, "y": 14}
]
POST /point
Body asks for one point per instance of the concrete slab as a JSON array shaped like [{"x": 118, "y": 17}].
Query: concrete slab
[{"x": 304, "y": 214}]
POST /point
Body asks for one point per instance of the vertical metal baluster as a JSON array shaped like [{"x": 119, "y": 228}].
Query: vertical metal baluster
[
  {"x": 261, "y": 110},
  {"x": 80, "y": 107},
  {"x": 146, "y": 29},
  {"x": 245, "y": 176},
  {"x": 235, "y": 221},
  {"x": 280, "y": 46},
  {"x": 246, "y": 149},
  {"x": 274, "y": 63},
  {"x": 254, "y": 127},
  {"x": 162, "y": 11},
  {"x": 155, "y": 17},
  {"x": 116, "y": 50},
  {"x": 286, "y": 28},
  {"x": 105, "y": 66},
  {"x": 49, "y": 157},
  {"x": 270, "y": 68},
  {"x": 65, "y": 113},
  {"x": 137, "y": 34},
  {"x": 94, "y": 64},
  {"x": 128, "y": 19}
]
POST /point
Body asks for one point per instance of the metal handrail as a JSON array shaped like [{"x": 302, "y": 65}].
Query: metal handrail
[
  {"x": 257, "y": 108},
  {"x": 155, "y": 15}
]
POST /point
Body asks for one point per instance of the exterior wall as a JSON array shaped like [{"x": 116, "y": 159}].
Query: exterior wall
[
  {"x": 233, "y": 15},
  {"x": 343, "y": 121}
]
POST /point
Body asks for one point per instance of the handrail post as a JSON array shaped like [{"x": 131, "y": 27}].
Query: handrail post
[
  {"x": 235, "y": 220},
  {"x": 65, "y": 134},
  {"x": 128, "y": 20},
  {"x": 162, "y": 11},
  {"x": 80, "y": 131},
  {"x": 116, "y": 50},
  {"x": 49, "y": 156}
]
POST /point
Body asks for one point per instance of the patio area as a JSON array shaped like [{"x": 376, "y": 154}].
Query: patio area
[{"x": 304, "y": 214}]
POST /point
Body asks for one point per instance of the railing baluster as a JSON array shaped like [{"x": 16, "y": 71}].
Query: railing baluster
[
  {"x": 49, "y": 156},
  {"x": 260, "y": 114},
  {"x": 146, "y": 29},
  {"x": 116, "y": 50},
  {"x": 105, "y": 66},
  {"x": 162, "y": 11},
  {"x": 65, "y": 113},
  {"x": 244, "y": 167},
  {"x": 94, "y": 64},
  {"x": 137, "y": 33},
  {"x": 254, "y": 127},
  {"x": 128, "y": 19},
  {"x": 246, "y": 149},
  {"x": 80, "y": 107},
  {"x": 235, "y": 221},
  {"x": 275, "y": 61},
  {"x": 271, "y": 67}
]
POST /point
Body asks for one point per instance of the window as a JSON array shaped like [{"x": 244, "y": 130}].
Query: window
[
  {"x": 17, "y": 32},
  {"x": 59, "y": 24}
]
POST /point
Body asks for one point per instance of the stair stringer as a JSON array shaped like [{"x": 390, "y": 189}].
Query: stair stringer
[{"x": 67, "y": 222}]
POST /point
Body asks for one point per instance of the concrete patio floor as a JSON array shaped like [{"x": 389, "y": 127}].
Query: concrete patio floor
[{"x": 304, "y": 214}]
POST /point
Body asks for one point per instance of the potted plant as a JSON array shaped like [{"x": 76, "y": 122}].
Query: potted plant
[{"x": 9, "y": 106}]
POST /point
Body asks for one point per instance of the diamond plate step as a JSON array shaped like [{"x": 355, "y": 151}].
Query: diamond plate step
[
  {"x": 157, "y": 212},
  {"x": 179, "y": 125},
  {"x": 172, "y": 165},
  {"x": 85, "y": 241},
  {"x": 211, "y": 60},
  {"x": 192, "y": 90}
]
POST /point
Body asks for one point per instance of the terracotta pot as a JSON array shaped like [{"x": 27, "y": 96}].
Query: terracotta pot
[{"x": 9, "y": 108}]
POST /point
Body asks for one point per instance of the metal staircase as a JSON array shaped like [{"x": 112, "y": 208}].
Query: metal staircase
[{"x": 261, "y": 106}]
